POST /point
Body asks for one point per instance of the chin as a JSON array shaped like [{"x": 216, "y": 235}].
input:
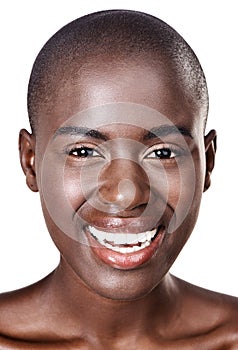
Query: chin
[
  {"x": 124, "y": 285},
  {"x": 123, "y": 293}
]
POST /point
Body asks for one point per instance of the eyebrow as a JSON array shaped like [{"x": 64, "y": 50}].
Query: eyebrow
[
  {"x": 166, "y": 130},
  {"x": 161, "y": 131},
  {"x": 80, "y": 131}
]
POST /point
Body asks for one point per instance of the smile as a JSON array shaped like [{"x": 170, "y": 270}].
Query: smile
[
  {"x": 123, "y": 243},
  {"x": 125, "y": 250}
]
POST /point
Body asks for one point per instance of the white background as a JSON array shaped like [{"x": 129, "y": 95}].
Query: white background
[{"x": 210, "y": 257}]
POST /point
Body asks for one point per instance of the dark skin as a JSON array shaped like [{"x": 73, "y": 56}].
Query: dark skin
[{"x": 89, "y": 304}]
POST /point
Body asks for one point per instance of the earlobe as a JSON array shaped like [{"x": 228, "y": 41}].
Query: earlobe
[
  {"x": 27, "y": 158},
  {"x": 210, "y": 142}
]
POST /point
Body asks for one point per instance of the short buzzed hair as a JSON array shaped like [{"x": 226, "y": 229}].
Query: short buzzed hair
[{"x": 116, "y": 34}]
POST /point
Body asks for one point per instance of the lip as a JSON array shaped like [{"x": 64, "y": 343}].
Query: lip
[
  {"x": 124, "y": 225},
  {"x": 126, "y": 261}
]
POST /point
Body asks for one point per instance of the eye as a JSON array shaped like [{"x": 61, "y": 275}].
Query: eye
[
  {"x": 83, "y": 152},
  {"x": 163, "y": 153}
]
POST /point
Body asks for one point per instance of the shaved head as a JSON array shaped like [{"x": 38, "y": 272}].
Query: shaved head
[{"x": 119, "y": 36}]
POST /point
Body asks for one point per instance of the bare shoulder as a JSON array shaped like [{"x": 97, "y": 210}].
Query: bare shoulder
[
  {"x": 215, "y": 313},
  {"x": 220, "y": 304},
  {"x": 30, "y": 319},
  {"x": 22, "y": 313}
]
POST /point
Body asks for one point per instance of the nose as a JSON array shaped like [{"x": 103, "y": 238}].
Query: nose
[{"x": 124, "y": 185}]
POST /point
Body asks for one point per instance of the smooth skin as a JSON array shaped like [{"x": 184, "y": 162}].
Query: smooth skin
[{"x": 85, "y": 303}]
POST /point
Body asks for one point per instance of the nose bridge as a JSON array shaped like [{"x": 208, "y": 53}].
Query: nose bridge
[{"x": 124, "y": 183}]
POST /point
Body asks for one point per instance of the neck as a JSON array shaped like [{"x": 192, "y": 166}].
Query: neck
[{"x": 98, "y": 316}]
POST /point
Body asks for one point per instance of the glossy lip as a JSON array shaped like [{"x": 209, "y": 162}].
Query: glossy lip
[
  {"x": 124, "y": 225},
  {"x": 126, "y": 261}
]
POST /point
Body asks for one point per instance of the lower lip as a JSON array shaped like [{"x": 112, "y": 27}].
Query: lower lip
[{"x": 126, "y": 261}]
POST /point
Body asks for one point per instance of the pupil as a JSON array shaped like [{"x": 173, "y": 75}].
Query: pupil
[
  {"x": 84, "y": 152},
  {"x": 163, "y": 153}
]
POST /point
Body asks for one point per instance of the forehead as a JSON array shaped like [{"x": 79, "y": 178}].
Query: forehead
[{"x": 140, "y": 82}]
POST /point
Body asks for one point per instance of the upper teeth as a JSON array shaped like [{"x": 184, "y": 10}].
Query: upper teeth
[{"x": 113, "y": 240}]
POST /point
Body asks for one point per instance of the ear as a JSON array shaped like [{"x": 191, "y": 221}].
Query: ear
[
  {"x": 27, "y": 158},
  {"x": 210, "y": 141}
]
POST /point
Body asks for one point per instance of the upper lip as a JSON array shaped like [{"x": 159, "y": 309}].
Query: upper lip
[
  {"x": 125, "y": 225},
  {"x": 128, "y": 222}
]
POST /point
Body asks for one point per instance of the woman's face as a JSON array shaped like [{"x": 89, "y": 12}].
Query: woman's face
[{"x": 120, "y": 167}]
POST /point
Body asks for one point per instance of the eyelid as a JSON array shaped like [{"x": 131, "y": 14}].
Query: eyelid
[
  {"x": 74, "y": 146},
  {"x": 172, "y": 147}
]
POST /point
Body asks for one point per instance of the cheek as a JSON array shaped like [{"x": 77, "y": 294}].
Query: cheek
[
  {"x": 73, "y": 190},
  {"x": 185, "y": 187},
  {"x": 60, "y": 195},
  {"x": 81, "y": 182},
  {"x": 181, "y": 185}
]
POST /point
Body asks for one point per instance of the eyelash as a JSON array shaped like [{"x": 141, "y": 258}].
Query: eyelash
[
  {"x": 165, "y": 152},
  {"x": 84, "y": 152},
  {"x": 170, "y": 152}
]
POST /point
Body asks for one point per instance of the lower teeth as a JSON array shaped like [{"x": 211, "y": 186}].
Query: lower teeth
[{"x": 124, "y": 249}]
